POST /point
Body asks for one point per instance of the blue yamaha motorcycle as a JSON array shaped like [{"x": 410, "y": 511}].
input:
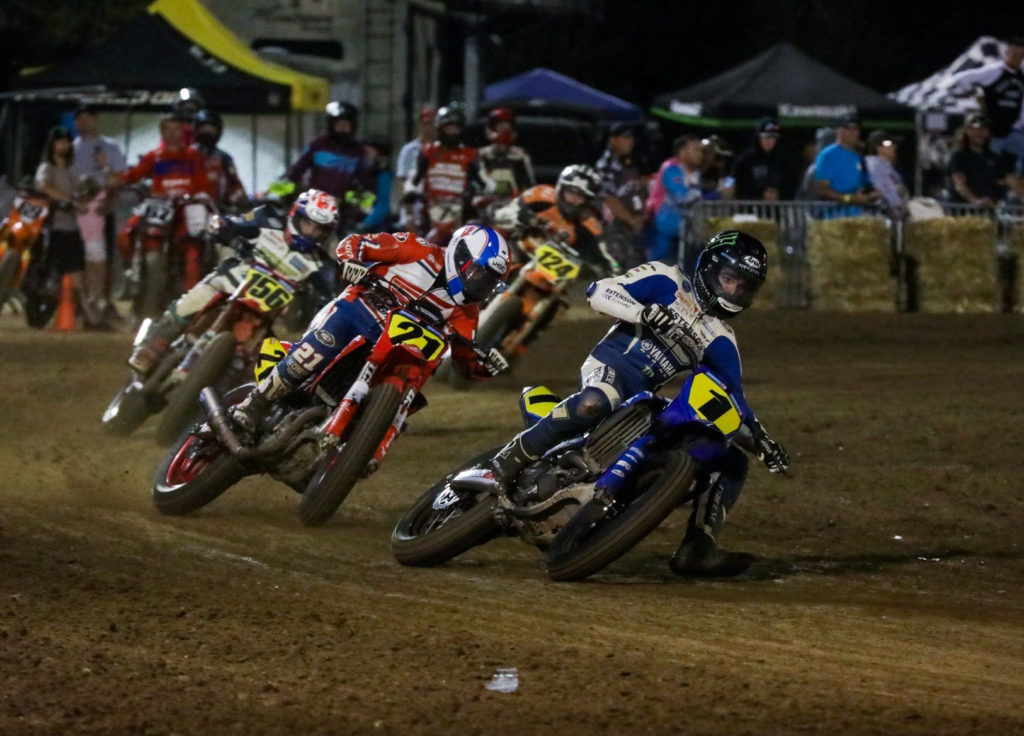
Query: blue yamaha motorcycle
[{"x": 592, "y": 498}]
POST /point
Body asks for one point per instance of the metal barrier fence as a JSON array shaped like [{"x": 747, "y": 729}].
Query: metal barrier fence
[{"x": 792, "y": 219}]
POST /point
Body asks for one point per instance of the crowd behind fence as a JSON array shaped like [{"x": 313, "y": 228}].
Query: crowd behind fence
[{"x": 786, "y": 227}]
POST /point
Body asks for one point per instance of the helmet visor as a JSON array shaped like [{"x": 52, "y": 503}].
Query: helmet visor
[
  {"x": 478, "y": 281},
  {"x": 735, "y": 287},
  {"x": 315, "y": 231}
]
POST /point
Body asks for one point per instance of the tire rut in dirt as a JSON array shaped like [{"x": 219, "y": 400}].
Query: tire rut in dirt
[
  {"x": 183, "y": 404},
  {"x": 341, "y": 469},
  {"x": 455, "y": 536},
  {"x": 574, "y": 555}
]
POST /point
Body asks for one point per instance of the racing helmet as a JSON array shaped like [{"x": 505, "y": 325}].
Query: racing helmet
[
  {"x": 189, "y": 103},
  {"x": 339, "y": 110},
  {"x": 475, "y": 261},
  {"x": 581, "y": 180},
  {"x": 208, "y": 117},
  {"x": 729, "y": 271},
  {"x": 312, "y": 220},
  {"x": 451, "y": 114},
  {"x": 496, "y": 117}
]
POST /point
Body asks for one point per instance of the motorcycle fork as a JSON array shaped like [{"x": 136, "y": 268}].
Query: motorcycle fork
[
  {"x": 346, "y": 409},
  {"x": 395, "y": 429}
]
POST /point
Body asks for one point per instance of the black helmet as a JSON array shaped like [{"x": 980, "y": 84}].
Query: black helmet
[
  {"x": 729, "y": 271},
  {"x": 189, "y": 103},
  {"x": 338, "y": 110},
  {"x": 208, "y": 117},
  {"x": 580, "y": 179},
  {"x": 451, "y": 114}
]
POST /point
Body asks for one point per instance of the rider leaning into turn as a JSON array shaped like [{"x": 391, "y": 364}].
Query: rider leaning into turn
[
  {"x": 294, "y": 243},
  {"x": 565, "y": 212},
  {"x": 650, "y": 303},
  {"x": 450, "y": 281}
]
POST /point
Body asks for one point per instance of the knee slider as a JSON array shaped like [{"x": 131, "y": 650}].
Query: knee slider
[{"x": 590, "y": 404}]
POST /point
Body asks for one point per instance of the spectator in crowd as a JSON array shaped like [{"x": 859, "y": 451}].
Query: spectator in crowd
[
  {"x": 96, "y": 157},
  {"x": 376, "y": 204},
  {"x": 56, "y": 179},
  {"x": 978, "y": 175},
  {"x": 623, "y": 190},
  {"x": 716, "y": 180},
  {"x": 822, "y": 137},
  {"x": 426, "y": 132},
  {"x": 760, "y": 172},
  {"x": 676, "y": 185},
  {"x": 337, "y": 162},
  {"x": 1001, "y": 88},
  {"x": 839, "y": 171},
  {"x": 881, "y": 164},
  {"x": 225, "y": 186},
  {"x": 503, "y": 162}
]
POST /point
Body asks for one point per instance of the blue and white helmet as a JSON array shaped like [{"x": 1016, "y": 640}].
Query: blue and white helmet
[{"x": 475, "y": 260}]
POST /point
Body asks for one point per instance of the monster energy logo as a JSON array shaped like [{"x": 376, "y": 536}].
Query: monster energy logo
[{"x": 727, "y": 238}]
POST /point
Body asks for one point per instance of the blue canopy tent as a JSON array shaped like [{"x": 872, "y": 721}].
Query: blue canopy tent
[{"x": 543, "y": 91}]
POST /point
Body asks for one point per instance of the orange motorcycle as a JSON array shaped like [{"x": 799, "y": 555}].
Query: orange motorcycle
[{"x": 19, "y": 232}]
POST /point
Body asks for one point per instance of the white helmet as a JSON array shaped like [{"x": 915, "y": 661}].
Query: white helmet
[{"x": 475, "y": 260}]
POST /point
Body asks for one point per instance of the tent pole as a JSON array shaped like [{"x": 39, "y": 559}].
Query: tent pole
[
  {"x": 918, "y": 168},
  {"x": 252, "y": 134},
  {"x": 127, "y": 133}
]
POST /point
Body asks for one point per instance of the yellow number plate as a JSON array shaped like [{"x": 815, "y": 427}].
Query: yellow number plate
[
  {"x": 555, "y": 265},
  {"x": 268, "y": 293},
  {"x": 710, "y": 401},
  {"x": 271, "y": 353},
  {"x": 404, "y": 331}
]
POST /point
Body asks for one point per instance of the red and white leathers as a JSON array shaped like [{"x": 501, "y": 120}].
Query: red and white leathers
[
  {"x": 413, "y": 269},
  {"x": 174, "y": 173},
  {"x": 446, "y": 177}
]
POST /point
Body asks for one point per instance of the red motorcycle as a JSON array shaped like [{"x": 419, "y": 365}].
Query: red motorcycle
[
  {"x": 20, "y": 232},
  {"x": 323, "y": 438}
]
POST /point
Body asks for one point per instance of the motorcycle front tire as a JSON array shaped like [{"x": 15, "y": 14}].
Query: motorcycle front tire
[{"x": 183, "y": 406}]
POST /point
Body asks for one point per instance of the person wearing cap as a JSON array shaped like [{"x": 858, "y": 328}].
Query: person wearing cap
[
  {"x": 676, "y": 186},
  {"x": 504, "y": 163},
  {"x": 716, "y": 180},
  {"x": 96, "y": 158},
  {"x": 881, "y": 164},
  {"x": 623, "y": 193},
  {"x": 426, "y": 132},
  {"x": 760, "y": 172},
  {"x": 1000, "y": 85},
  {"x": 978, "y": 175},
  {"x": 839, "y": 171}
]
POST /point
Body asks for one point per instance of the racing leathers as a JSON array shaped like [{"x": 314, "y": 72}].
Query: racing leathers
[
  {"x": 510, "y": 170},
  {"x": 447, "y": 178},
  {"x": 174, "y": 173},
  {"x": 536, "y": 209},
  {"x": 412, "y": 269},
  {"x": 634, "y": 357},
  {"x": 256, "y": 236}
]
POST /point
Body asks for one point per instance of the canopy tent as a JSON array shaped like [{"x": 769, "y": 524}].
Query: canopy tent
[
  {"x": 932, "y": 94},
  {"x": 785, "y": 83},
  {"x": 543, "y": 89},
  {"x": 175, "y": 44}
]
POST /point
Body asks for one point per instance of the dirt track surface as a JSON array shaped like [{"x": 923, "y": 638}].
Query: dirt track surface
[{"x": 888, "y": 598}]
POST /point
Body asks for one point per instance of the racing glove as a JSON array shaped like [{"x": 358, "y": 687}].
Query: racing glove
[
  {"x": 353, "y": 271},
  {"x": 495, "y": 362},
  {"x": 658, "y": 317},
  {"x": 768, "y": 451}
]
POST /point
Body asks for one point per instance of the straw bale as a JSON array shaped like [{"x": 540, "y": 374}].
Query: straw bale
[
  {"x": 768, "y": 232},
  {"x": 849, "y": 260},
  {"x": 956, "y": 263}
]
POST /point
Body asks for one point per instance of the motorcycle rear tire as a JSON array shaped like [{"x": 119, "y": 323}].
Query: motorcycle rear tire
[
  {"x": 455, "y": 536},
  {"x": 580, "y": 550},
  {"x": 183, "y": 406},
  {"x": 128, "y": 409},
  {"x": 10, "y": 266},
  {"x": 339, "y": 471},
  {"x": 152, "y": 299}
]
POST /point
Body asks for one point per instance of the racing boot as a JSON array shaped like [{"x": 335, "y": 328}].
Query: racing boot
[
  {"x": 509, "y": 461},
  {"x": 249, "y": 414},
  {"x": 153, "y": 346},
  {"x": 699, "y": 554}
]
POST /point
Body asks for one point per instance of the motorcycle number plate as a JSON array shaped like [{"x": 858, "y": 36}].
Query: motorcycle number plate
[
  {"x": 29, "y": 211},
  {"x": 267, "y": 292},
  {"x": 711, "y": 402},
  {"x": 272, "y": 351},
  {"x": 157, "y": 211},
  {"x": 555, "y": 264},
  {"x": 405, "y": 331}
]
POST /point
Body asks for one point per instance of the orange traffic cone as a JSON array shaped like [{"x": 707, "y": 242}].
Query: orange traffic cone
[{"x": 65, "y": 321}]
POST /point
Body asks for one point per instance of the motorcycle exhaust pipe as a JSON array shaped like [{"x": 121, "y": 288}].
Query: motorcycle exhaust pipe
[{"x": 218, "y": 420}]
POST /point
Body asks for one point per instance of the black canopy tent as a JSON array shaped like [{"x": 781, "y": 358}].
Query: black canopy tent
[{"x": 785, "y": 83}]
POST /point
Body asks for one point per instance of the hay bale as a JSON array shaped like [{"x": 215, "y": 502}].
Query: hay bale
[
  {"x": 849, "y": 261},
  {"x": 956, "y": 263},
  {"x": 768, "y": 232}
]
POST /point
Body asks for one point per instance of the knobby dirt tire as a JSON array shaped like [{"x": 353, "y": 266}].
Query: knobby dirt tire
[
  {"x": 175, "y": 499},
  {"x": 183, "y": 406},
  {"x": 580, "y": 549},
  {"x": 128, "y": 409},
  {"x": 10, "y": 266},
  {"x": 472, "y": 527},
  {"x": 342, "y": 468}
]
